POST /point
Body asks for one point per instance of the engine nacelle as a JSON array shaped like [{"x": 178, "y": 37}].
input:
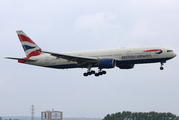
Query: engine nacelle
[
  {"x": 126, "y": 66},
  {"x": 107, "y": 63}
]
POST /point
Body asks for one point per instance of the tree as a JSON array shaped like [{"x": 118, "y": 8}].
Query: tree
[
  {"x": 127, "y": 115},
  {"x": 108, "y": 117}
]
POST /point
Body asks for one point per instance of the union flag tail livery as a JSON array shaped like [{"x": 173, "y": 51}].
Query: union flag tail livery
[
  {"x": 124, "y": 58},
  {"x": 30, "y": 48}
]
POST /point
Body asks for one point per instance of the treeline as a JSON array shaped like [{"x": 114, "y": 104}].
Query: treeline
[{"x": 127, "y": 115}]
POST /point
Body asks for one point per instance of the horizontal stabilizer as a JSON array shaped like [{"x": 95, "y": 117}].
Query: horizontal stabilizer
[{"x": 20, "y": 59}]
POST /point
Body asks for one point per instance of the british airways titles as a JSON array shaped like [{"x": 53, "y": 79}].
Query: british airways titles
[{"x": 136, "y": 56}]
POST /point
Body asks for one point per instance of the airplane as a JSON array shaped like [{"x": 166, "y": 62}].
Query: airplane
[{"x": 123, "y": 58}]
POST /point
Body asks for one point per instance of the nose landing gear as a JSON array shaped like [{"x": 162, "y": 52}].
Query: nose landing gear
[
  {"x": 162, "y": 63},
  {"x": 161, "y": 68}
]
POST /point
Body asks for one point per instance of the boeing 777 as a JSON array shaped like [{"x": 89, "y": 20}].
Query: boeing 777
[{"x": 123, "y": 58}]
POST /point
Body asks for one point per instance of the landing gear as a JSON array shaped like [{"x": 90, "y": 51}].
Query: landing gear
[
  {"x": 161, "y": 68},
  {"x": 90, "y": 72},
  {"x": 100, "y": 73}
]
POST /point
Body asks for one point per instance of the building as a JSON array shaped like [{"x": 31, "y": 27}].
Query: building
[{"x": 51, "y": 115}]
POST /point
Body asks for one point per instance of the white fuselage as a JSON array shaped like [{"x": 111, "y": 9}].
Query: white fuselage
[{"x": 122, "y": 56}]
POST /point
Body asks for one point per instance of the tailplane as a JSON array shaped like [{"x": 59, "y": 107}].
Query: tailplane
[{"x": 30, "y": 48}]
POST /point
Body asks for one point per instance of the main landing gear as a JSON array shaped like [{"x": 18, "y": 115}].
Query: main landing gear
[
  {"x": 90, "y": 72},
  {"x": 100, "y": 73},
  {"x": 93, "y": 72},
  {"x": 161, "y": 68}
]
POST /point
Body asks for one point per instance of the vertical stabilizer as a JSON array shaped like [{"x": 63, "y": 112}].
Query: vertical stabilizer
[{"x": 28, "y": 45}]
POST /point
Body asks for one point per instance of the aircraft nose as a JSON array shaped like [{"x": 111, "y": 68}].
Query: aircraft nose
[{"x": 174, "y": 54}]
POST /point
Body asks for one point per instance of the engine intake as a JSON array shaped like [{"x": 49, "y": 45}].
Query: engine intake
[{"x": 107, "y": 63}]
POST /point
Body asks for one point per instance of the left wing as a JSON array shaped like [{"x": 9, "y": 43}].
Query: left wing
[{"x": 74, "y": 58}]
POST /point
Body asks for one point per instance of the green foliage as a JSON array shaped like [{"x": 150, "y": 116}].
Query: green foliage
[{"x": 127, "y": 115}]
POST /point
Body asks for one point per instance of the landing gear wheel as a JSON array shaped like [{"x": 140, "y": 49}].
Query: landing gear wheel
[
  {"x": 161, "y": 68},
  {"x": 100, "y": 73},
  {"x": 96, "y": 74},
  {"x": 85, "y": 74},
  {"x": 92, "y": 72},
  {"x": 103, "y": 72},
  {"x": 89, "y": 73}
]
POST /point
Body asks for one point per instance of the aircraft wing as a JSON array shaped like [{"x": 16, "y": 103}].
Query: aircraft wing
[{"x": 74, "y": 58}]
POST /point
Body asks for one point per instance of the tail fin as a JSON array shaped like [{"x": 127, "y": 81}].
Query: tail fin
[{"x": 30, "y": 48}]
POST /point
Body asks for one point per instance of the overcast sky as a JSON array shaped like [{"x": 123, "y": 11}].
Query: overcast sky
[{"x": 74, "y": 25}]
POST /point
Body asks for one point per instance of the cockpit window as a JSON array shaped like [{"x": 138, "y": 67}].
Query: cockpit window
[{"x": 169, "y": 50}]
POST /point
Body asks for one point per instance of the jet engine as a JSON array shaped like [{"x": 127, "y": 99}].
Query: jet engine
[{"x": 107, "y": 63}]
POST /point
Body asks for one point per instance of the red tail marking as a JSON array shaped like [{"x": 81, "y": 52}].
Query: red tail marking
[
  {"x": 24, "y": 38},
  {"x": 34, "y": 53}
]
